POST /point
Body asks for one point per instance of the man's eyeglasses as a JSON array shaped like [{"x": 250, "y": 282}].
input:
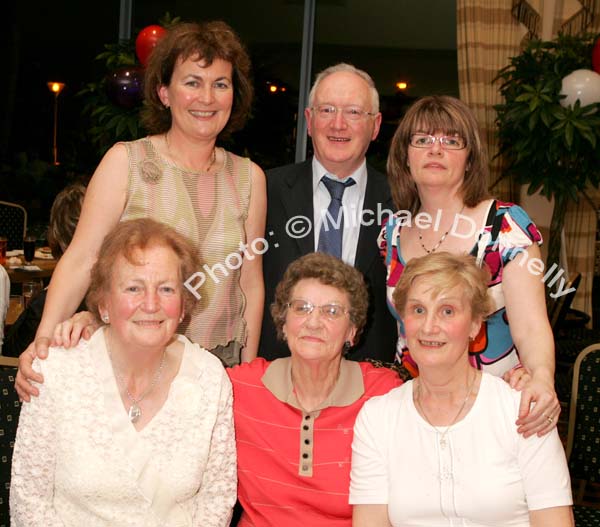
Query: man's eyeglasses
[
  {"x": 303, "y": 308},
  {"x": 447, "y": 142},
  {"x": 350, "y": 113}
]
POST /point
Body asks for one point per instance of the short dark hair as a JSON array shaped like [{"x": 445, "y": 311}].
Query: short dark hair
[
  {"x": 450, "y": 116},
  {"x": 208, "y": 41},
  {"x": 328, "y": 270},
  {"x": 128, "y": 237},
  {"x": 64, "y": 216}
]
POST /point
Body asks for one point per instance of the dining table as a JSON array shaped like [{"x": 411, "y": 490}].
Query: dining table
[{"x": 41, "y": 268}]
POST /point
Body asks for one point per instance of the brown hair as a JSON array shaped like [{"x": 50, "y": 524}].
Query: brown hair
[
  {"x": 207, "y": 41},
  {"x": 64, "y": 216},
  {"x": 437, "y": 113},
  {"x": 125, "y": 240},
  {"x": 445, "y": 271},
  {"x": 328, "y": 270}
]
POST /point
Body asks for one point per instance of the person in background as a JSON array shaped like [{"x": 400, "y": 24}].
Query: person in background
[
  {"x": 438, "y": 173},
  {"x": 133, "y": 427},
  {"x": 64, "y": 216},
  {"x": 443, "y": 449},
  {"x": 343, "y": 118},
  {"x": 294, "y": 415},
  {"x": 197, "y": 90}
]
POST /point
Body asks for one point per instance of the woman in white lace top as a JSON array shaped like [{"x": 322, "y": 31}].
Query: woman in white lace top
[{"x": 134, "y": 427}]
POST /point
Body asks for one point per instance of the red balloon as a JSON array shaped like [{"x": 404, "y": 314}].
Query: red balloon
[
  {"x": 146, "y": 41},
  {"x": 596, "y": 56}
]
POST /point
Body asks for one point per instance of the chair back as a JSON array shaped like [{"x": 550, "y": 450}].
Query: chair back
[
  {"x": 9, "y": 418},
  {"x": 583, "y": 436},
  {"x": 560, "y": 308},
  {"x": 13, "y": 224}
]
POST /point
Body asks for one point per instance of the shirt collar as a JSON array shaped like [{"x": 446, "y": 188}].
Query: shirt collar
[
  {"x": 347, "y": 390},
  {"x": 359, "y": 175}
]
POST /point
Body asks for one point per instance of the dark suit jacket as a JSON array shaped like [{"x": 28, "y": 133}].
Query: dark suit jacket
[{"x": 289, "y": 194}]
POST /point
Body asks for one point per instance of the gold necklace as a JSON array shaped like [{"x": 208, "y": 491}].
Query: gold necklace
[
  {"x": 213, "y": 156},
  {"x": 435, "y": 247},
  {"x": 462, "y": 407}
]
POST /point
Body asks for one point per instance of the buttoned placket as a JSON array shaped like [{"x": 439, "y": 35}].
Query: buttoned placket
[{"x": 307, "y": 433}]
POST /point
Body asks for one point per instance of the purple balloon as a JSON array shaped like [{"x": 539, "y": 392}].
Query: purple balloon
[{"x": 124, "y": 86}]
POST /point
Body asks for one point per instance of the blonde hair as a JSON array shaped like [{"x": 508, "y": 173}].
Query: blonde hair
[{"x": 445, "y": 271}]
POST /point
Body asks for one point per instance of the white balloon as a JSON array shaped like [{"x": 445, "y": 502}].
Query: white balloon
[{"x": 580, "y": 84}]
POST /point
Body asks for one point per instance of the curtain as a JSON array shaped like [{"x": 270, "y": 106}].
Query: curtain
[
  {"x": 489, "y": 32},
  {"x": 487, "y": 36}
]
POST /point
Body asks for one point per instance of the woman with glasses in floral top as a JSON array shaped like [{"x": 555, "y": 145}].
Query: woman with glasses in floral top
[{"x": 438, "y": 173}]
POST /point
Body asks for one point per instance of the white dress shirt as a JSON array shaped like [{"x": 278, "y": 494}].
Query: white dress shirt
[{"x": 352, "y": 204}]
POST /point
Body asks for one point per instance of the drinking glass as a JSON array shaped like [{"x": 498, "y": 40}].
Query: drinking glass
[
  {"x": 31, "y": 290},
  {"x": 29, "y": 248}
]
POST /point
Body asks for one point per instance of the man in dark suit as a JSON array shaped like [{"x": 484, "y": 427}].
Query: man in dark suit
[{"x": 343, "y": 118}]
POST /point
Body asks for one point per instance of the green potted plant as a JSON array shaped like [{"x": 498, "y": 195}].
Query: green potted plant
[
  {"x": 554, "y": 149},
  {"x": 114, "y": 112}
]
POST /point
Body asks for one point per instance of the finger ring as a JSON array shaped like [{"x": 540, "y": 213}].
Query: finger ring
[{"x": 550, "y": 419}]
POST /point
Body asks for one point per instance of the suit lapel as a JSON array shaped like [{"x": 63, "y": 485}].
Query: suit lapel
[
  {"x": 377, "y": 197},
  {"x": 297, "y": 202}
]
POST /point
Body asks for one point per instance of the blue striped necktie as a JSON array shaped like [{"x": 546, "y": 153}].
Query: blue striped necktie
[{"x": 332, "y": 226}]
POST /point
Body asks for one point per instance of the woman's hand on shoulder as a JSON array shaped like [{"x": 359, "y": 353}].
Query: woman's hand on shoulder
[
  {"x": 539, "y": 408},
  {"x": 68, "y": 333},
  {"x": 517, "y": 377},
  {"x": 26, "y": 374}
]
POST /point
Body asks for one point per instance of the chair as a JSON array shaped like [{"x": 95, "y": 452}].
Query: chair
[
  {"x": 9, "y": 418},
  {"x": 583, "y": 435},
  {"x": 562, "y": 305},
  {"x": 586, "y": 516},
  {"x": 13, "y": 224}
]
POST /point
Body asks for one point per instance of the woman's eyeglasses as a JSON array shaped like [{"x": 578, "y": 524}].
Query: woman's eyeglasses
[
  {"x": 447, "y": 142},
  {"x": 303, "y": 308}
]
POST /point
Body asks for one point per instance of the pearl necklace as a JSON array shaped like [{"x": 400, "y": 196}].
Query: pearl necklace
[
  {"x": 462, "y": 407},
  {"x": 213, "y": 156},
  {"x": 135, "y": 412},
  {"x": 436, "y": 246}
]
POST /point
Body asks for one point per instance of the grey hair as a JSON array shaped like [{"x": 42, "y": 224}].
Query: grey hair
[{"x": 349, "y": 68}]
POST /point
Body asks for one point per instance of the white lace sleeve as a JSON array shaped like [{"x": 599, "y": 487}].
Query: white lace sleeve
[
  {"x": 33, "y": 464},
  {"x": 218, "y": 491}
]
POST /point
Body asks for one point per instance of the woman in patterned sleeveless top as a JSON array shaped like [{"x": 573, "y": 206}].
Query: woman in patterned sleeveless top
[{"x": 197, "y": 90}]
